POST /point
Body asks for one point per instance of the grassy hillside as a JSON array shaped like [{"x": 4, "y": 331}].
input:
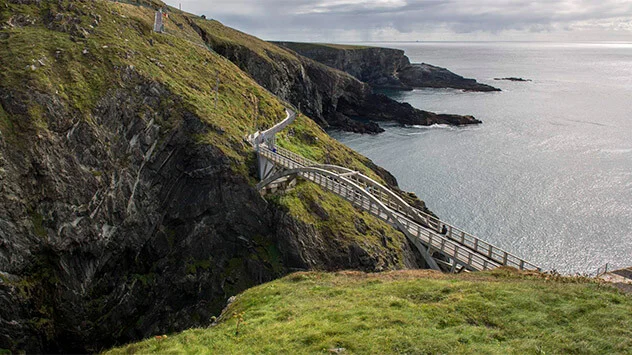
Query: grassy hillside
[
  {"x": 81, "y": 62},
  {"x": 306, "y": 138},
  {"x": 499, "y": 312},
  {"x": 220, "y": 34}
]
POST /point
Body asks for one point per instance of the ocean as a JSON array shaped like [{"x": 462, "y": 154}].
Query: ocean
[{"x": 548, "y": 175}]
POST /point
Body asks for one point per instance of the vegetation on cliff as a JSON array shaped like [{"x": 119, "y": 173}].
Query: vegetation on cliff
[
  {"x": 422, "y": 312},
  {"x": 77, "y": 50},
  {"x": 127, "y": 203}
]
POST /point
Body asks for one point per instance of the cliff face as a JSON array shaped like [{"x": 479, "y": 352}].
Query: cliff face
[
  {"x": 331, "y": 96},
  {"x": 375, "y": 66},
  {"x": 127, "y": 199},
  {"x": 119, "y": 229},
  {"x": 384, "y": 68}
]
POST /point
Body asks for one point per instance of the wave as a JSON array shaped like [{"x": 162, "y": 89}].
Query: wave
[{"x": 434, "y": 126}]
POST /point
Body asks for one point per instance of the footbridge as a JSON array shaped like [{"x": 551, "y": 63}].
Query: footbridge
[{"x": 443, "y": 246}]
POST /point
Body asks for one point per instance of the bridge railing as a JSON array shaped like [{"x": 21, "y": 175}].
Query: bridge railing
[
  {"x": 456, "y": 234},
  {"x": 462, "y": 255},
  {"x": 260, "y": 137}
]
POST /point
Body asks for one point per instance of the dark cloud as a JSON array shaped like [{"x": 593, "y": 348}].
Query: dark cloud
[{"x": 401, "y": 19}]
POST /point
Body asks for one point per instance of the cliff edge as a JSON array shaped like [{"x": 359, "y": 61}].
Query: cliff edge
[
  {"x": 384, "y": 68},
  {"x": 414, "y": 312}
]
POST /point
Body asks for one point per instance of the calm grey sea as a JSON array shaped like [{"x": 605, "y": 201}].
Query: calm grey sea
[{"x": 548, "y": 175}]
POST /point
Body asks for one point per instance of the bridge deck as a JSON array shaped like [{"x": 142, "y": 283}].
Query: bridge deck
[{"x": 437, "y": 236}]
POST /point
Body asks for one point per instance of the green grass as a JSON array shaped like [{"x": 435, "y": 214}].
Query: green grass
[
  {"x": 308, "y": 139},
  {"x": 122, "y": 39},
  {"x": 419, "y": 312},
  {"x": 79, "y": 72},
  {"x": 75, "y": 72},
  {"x": 179, "y": 60},
  {"x": 342, "y": 224},
  {"x": 344, "y": 46},
  {"x": 220, "y": 35}
]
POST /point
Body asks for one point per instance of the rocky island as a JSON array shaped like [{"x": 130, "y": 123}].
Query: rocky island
[
  {"x": 512, "y": 78},
  {"x": 384, "y": 68}
]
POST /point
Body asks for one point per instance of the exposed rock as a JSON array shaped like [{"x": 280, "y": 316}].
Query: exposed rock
[
  {"x": 380, "y": 108},
  {"x": 117, "y": 223},
  {"x": 153, "y": 243},
  {"x": 384, "y": 68},
  {"x": 304, "y": 247},
  {"x": 94, "y": 247},
  {"x": 426, "y": 75}
]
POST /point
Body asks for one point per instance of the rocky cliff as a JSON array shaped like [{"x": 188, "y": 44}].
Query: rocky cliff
[
  {"x": 127, "y": 198},
  {"x": 384, "y": 67},
  {"x": 333, "y": 97}
]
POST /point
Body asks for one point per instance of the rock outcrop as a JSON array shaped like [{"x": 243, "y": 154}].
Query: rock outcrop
[
  {"x": 404, "y": 113},
  {"x": 384, "y": 68},
  {"x": 512, "y": 78}
]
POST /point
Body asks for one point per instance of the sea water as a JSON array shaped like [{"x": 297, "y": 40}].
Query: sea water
[{"x": 548, "y": 175}]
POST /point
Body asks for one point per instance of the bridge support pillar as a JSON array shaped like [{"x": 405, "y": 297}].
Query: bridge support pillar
[
  {"x": 266, "y": 167},
  {"x": 425, "y": 254}
]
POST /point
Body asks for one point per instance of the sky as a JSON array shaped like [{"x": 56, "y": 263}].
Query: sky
[{"x": 422, "y": 20}]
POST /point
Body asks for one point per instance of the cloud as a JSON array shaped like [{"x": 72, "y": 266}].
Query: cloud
[{"x": 349, "y": 20}]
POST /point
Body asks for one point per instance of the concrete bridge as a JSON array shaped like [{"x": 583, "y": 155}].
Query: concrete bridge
[{"x": 443, "y": 246}]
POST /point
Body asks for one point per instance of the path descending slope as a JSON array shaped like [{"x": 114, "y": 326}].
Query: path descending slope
[{"x": 443, "y": 246}]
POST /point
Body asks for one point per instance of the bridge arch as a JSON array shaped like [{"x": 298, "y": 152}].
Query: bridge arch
[
  {"x": 358, "y": 189},
  {"x": 412, "y": 212}
]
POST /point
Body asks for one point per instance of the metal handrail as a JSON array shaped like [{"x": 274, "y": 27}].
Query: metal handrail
[
  {"x": 456, "y": 234},
  {"x": 339, "y": 185}
]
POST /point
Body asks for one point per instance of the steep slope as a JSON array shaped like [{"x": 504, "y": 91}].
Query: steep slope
[
  {"x": 414, "y": 312},
  {"x": 330, "y": 96},
  {"x": 384, "y": 68},
  {"x": 127, "y": 199}
]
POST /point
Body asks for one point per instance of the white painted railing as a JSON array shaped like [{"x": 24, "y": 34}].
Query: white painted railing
[
  {"x": 463, "y": 248},
  {"x": 357, "y": 195},
  {"x": 494, "y": 254}
]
